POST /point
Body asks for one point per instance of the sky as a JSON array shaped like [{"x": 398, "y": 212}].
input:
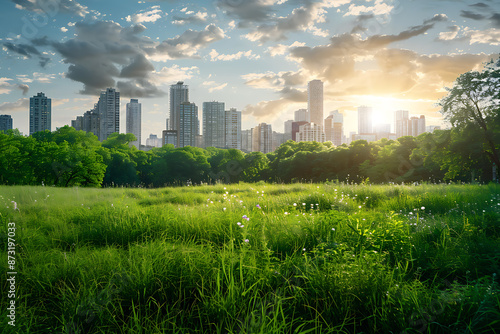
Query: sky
[{"x": 255, "y": 55}]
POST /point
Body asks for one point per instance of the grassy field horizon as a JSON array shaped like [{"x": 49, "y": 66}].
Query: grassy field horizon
[{"x": 253, "y": 258}]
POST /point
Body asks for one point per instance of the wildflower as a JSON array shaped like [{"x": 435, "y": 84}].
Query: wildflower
[
  {"x": 258, "y": 206},
  {"x": 242, "y": 226},
  {"x": 304, "y": 249},
  {"x": 333, "y": 228},
  {"x": 245, "y": 217},
  {"x": 294, "y": 204},
  {"x": 247, "y": 241},
  {"x": 303, "y": 203},
  {"x": 238, "y": 223},
  {"x": 224, "y": 209},
  {"x": 422, "y": 208},
  {"x": 15, "y": 205},
  {"x": 286, "y": 213}
]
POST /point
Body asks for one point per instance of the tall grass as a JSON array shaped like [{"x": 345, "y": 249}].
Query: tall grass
[{"x": 255, "y": 258}]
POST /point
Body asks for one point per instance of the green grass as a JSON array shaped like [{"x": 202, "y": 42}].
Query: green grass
[{"x": 312, "y": 258}]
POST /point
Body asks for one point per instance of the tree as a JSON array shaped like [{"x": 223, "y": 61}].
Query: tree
[{"x": 474, "y": 101}]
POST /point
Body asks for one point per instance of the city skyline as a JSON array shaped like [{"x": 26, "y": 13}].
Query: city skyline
[{"x": 256, "y": 56}]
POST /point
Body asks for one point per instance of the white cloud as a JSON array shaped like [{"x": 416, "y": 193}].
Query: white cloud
[
  {"x": 5, "y": 86},
  {"x": 215, "y": 56},
  {"x": 213, "y": 86},
  {"x": 152, "y": 15},
  {"x": 490, "y": 36},
  {"x": 281, "y": 49},
  {"x": 174, "y": 73},
  {"x": 64, "y": 29},
  {"x": 379, "y": 8}
]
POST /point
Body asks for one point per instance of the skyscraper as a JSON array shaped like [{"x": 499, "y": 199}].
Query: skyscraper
[
  {"x": 5, "y": 122},
  {"x": 40, "y": 113},
  {"x": 364, "y": 120},
  {"x": 89, "y": 122},
  {"x": 134, "y": 121},
  {"x": 315, "y": 102},
  {"x": 246, "y": 140},
  {"x": 233, "y": 129},
  {"x": 334, "y": 128},
  {"x": 188, "y": 124},
  {"x": 288, "y": 130},
  {"x": 401, "y": 118},
  {"x": 262, "y": 138},
  {"x": 108, "y": 109},
  {"x": 214, "y": 119},
  {"x": 178, "y": 93},
  {"x": 301, "y": 115},
  {"x": 416, "y": 126},
  {"x": 310, "y": 132}
]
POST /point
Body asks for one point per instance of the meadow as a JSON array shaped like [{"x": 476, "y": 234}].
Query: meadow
[{"x": 253, "y": 258}]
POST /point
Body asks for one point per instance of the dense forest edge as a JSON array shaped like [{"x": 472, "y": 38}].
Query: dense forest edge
[{"x": 467, "y": 152}]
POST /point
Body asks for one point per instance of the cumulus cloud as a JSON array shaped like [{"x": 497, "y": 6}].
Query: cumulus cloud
[
  {"x": 24, "y": 88},
  {"x": 51, "y": 8},
  {"x": 194, "y": 18},
  {"x": 174, "y": 73},
  {"x": 247, "y": 11},
  {"x": 188, "y": 43},
  {"x": 215, "y": 56},
  {"x": 213, "y": 86},
  {"x": 27, "y": 51},
  {"x": 379, "y": 8},
  {"x": 151, "y": 15},
  {"x": 19, "y": 105},
  {"x": 5, "y": 85}
]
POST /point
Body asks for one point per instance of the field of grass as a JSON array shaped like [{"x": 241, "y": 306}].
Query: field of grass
[{"x": 253, "y": 258}]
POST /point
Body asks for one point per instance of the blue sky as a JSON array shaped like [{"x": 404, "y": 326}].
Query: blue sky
[{"x": 254, "y": 55}]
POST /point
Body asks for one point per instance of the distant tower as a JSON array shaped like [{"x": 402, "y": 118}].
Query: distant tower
[
  {"x": 134, "y": 121},
  {"x": 5, "y": 122},
  {"x": 233, "y": 129},
  {"x": 301, "y": 115},
  {"x": 188, "y": 124},
  {"x": 315, "y": 102},
  {"x": 108, "y": 109},
  {"x": 40, "y": 113},
  {"x": 364, "y": 120},
  {"x": 401, "y": 118},
  {"x": 334, "y": 128},
  {"x": 214, "y": 118},
  {"x": 288, "y": 130},
  {"x": 262, "y": 138},
  {"x": 179, "y": 93}
]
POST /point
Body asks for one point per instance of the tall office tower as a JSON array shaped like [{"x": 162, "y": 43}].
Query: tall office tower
[
  {"x": 233, "y": 129},
  {"x": 288, "y": 130},
  {"x": 262, "y": 138},
  {"x": 179, "y": 93},
  {"x": 134, "y": 121},
  {"x": 301, "y": 115},
  {"x": 432, "y": 128},
  {"x": 154, "y": 141},
  {"x": 421, "y": 125},
  {"x": 214, "y": 118},
  {"x": 401, "y": 118},
  {"x": 310, "y": 132},
  {"x": 108, "y": 109},
  {"x": 5, "y": 122},
  {"x": 295, "y": 129},
  {"x": 278, "y": 139},
  {"x": 169, "y": 137},
  {"x": 188, "y": 125},
  {"x": 246, "y": 140},
  {"x": 40, "y": 113},
  {"x": 364, "y": 120},
  {"x": 334, "y": 128},
  {"x": 315, "y": 102}
]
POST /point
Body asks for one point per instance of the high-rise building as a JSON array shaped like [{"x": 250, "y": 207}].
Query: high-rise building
[
  {"x": 416, "y": 126},
  {"x": 5, "y": 122},
  {"x": 153, "y": 141},
  {"x": 89, "y": 122},
  {"x": 432, "y": 128},
  {"x": 288, "y": 130},
  {"x": 40, "y": 113},
  {"x": 169, "y": 137},
  {"x": 246, "y": 140},
  {"x": 310, "y": 132},
  {"x": 301, "y": 115},
  {"x": 214, "y": 119},
  {"x": 278, "y": 139},
  {"x": 401, "y": 118},
  {"x": 134, "y": 121},
  {"x": 179, "y": 93},
  {"x": 262, "y": 138},
  {"x": 315, "y": 102},
  {"x": 334, "y": 128},
  {"x": 108, "y": 109},
  {"x": 364, "y": 120},
  {"x": 233, "y": 129},
  {"x": 295, "y": 129},
  {"x": 188, "y": 124}
]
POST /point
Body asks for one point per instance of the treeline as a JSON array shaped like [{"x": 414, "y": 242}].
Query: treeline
[{"x": 67, "y": 157}]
